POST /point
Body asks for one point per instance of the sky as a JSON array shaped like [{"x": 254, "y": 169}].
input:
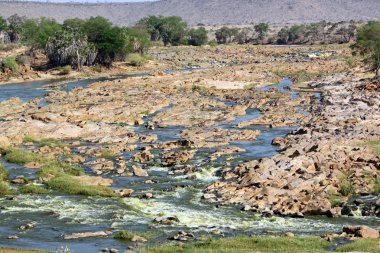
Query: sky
[{"x": 93, "y": 1}]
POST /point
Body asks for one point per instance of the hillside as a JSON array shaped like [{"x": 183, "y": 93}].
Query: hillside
[{"x": 210, "y": 12}]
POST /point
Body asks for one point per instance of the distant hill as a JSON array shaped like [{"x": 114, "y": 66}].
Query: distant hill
[{"x": 209, "y": 12}]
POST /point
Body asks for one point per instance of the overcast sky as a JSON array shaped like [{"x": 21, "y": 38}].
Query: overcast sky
[{"x": 94, "y": 1}]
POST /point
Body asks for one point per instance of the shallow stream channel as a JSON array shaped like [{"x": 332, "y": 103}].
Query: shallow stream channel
[{"x": 56, "y": 214}]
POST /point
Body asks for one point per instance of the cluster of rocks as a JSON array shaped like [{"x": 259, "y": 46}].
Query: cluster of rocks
[{"x": 327, "y": 157}]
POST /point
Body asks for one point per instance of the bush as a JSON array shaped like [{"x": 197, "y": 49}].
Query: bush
[
  {"x": 65, "y": 70},
  {"x": 346, "y": 188},
  {"x": 10, "y": 63},
  {"x": 3, "y": 173},
  {"x": 5, "y": 189},
  {"x": 136, "y": 60},
  {"x": 33, "y": 189},
  {"x": 124, "y": 236}
]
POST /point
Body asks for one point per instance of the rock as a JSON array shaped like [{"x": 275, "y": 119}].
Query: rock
[
  {"x": 4, "y": 141},
  {"x": 124, "y": 192},
  {"x": 143, "y": 157},
  {"x": 139, "y": 172},
  {"x": 177, "y": 158},
  {"x": 137, "y": 238},
  {"x": 19, "y": 180},
  {"x": 289, "y": 234},
  {"x": 113, "y": 250},
  {"x": 182, "y": 236},
  {"x": 27, "y": 226},
  {"x": 362, "y": 231},
  {"x": 166, "y": 220},
  {"x": 32, "y": 165},
  {"x": 87, "y": 235},
  {"x": 148, "y": 195}
]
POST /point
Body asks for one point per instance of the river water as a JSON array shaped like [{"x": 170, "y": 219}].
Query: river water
[{"x": 57, "y": 214}]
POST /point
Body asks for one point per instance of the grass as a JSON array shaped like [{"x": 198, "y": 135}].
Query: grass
[
  {"x": 346, "y": 187},
  {"x": 124, "y": 236},
  {"x": 21, "y": 157},
  {"x": 45, "y": 142},
  {"x": 335, "y": 200},
  {"x": 65, "y": 70},
  {"x": 28, "y": 139},
  {"x": 136, "y": 60},
  {"x": 5, "y": 189},
  {"x": 68, "y": 184},
  {"x": 51, "y": 143},
  {"x": 361, "y": 245},
  {"x": 3, "y": 173},
  {"x": 10, "y": 63},
  {"x": 250, "y": 244},
  {"x": 33, "y": 189},
  {"x": 107, "y": 155},
  {"x": 58, "y": 168},
  {"x": 376, "y": 186},
  {"x": 374, "y": 145}
]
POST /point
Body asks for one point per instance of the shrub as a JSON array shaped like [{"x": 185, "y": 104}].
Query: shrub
[
  {"x": 5, "y": 189},
  {"x": 346, "y": 187},
  {"x": 136, "y": 60},
  {"x": 65, "y": 70},
  {"x": 10, "y": 63},
  {"x": 33, "y": 189},
  {"x": 3, "y": 173},
  {"x": 124, "y": 236}
]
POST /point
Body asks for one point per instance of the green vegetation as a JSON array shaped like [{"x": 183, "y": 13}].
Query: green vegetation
[
  {"x": 33, "y": 189},
  {"x": 262, "y": 30},
  {"x": 107, "y": 155},
  {"x": 368, "y": 45},
  {"x": 21, "y": 157},
  {"x": 50, "y": 143},
  {"x": 28, "y": 139},
  {"x": 346, "y": 187},
  {"x": 374, "y": 145},
  {"x": 172, "y": 30},
  {"x": 59, "y": 168},
  {"x": 335, "y": 200},
  {"x": 65, "y": 70},
  {"x": 70, "y": 185},
  {"x": 136, "y": 60},
  {"x": 3, "y": 24},
  {"x": 376, "y": 186},
  {"x": 198, "y": 37},
  {"x": 9, "y": 63},
  {"x": 124, "y": 236},
  {"x": 361, "y": 245},
  {"x": 248, "y": 244},
  {"x": 4, "y": 186}
]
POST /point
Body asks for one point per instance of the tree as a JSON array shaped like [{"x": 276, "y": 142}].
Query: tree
[
  {"x": 198, "y": 37},
  {"x": 136, "y": 41},
  {"x": 262, "y": 30},
  {"x": 368, "y": 45},
  {"x": 3, "y": 24},
  {"x": 225, "y": 35},
  {"x": 151, "y": 25},
  {"x": 36, "y": 32},
  {"x": 74, "y": 24},
  {"x": 70, "y": 48},
  {"x": 173, "y": 30},
  {"x": 15, "y": 23},
  {"x": 108, "y": 40}
]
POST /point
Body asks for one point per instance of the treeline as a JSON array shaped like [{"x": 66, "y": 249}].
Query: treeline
[
  {"x": 317, "y": 33},
  {"x": 77, "y": 42}
]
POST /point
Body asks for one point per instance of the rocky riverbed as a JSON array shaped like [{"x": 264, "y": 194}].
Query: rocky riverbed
[{"x": 203, "y": 151}]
